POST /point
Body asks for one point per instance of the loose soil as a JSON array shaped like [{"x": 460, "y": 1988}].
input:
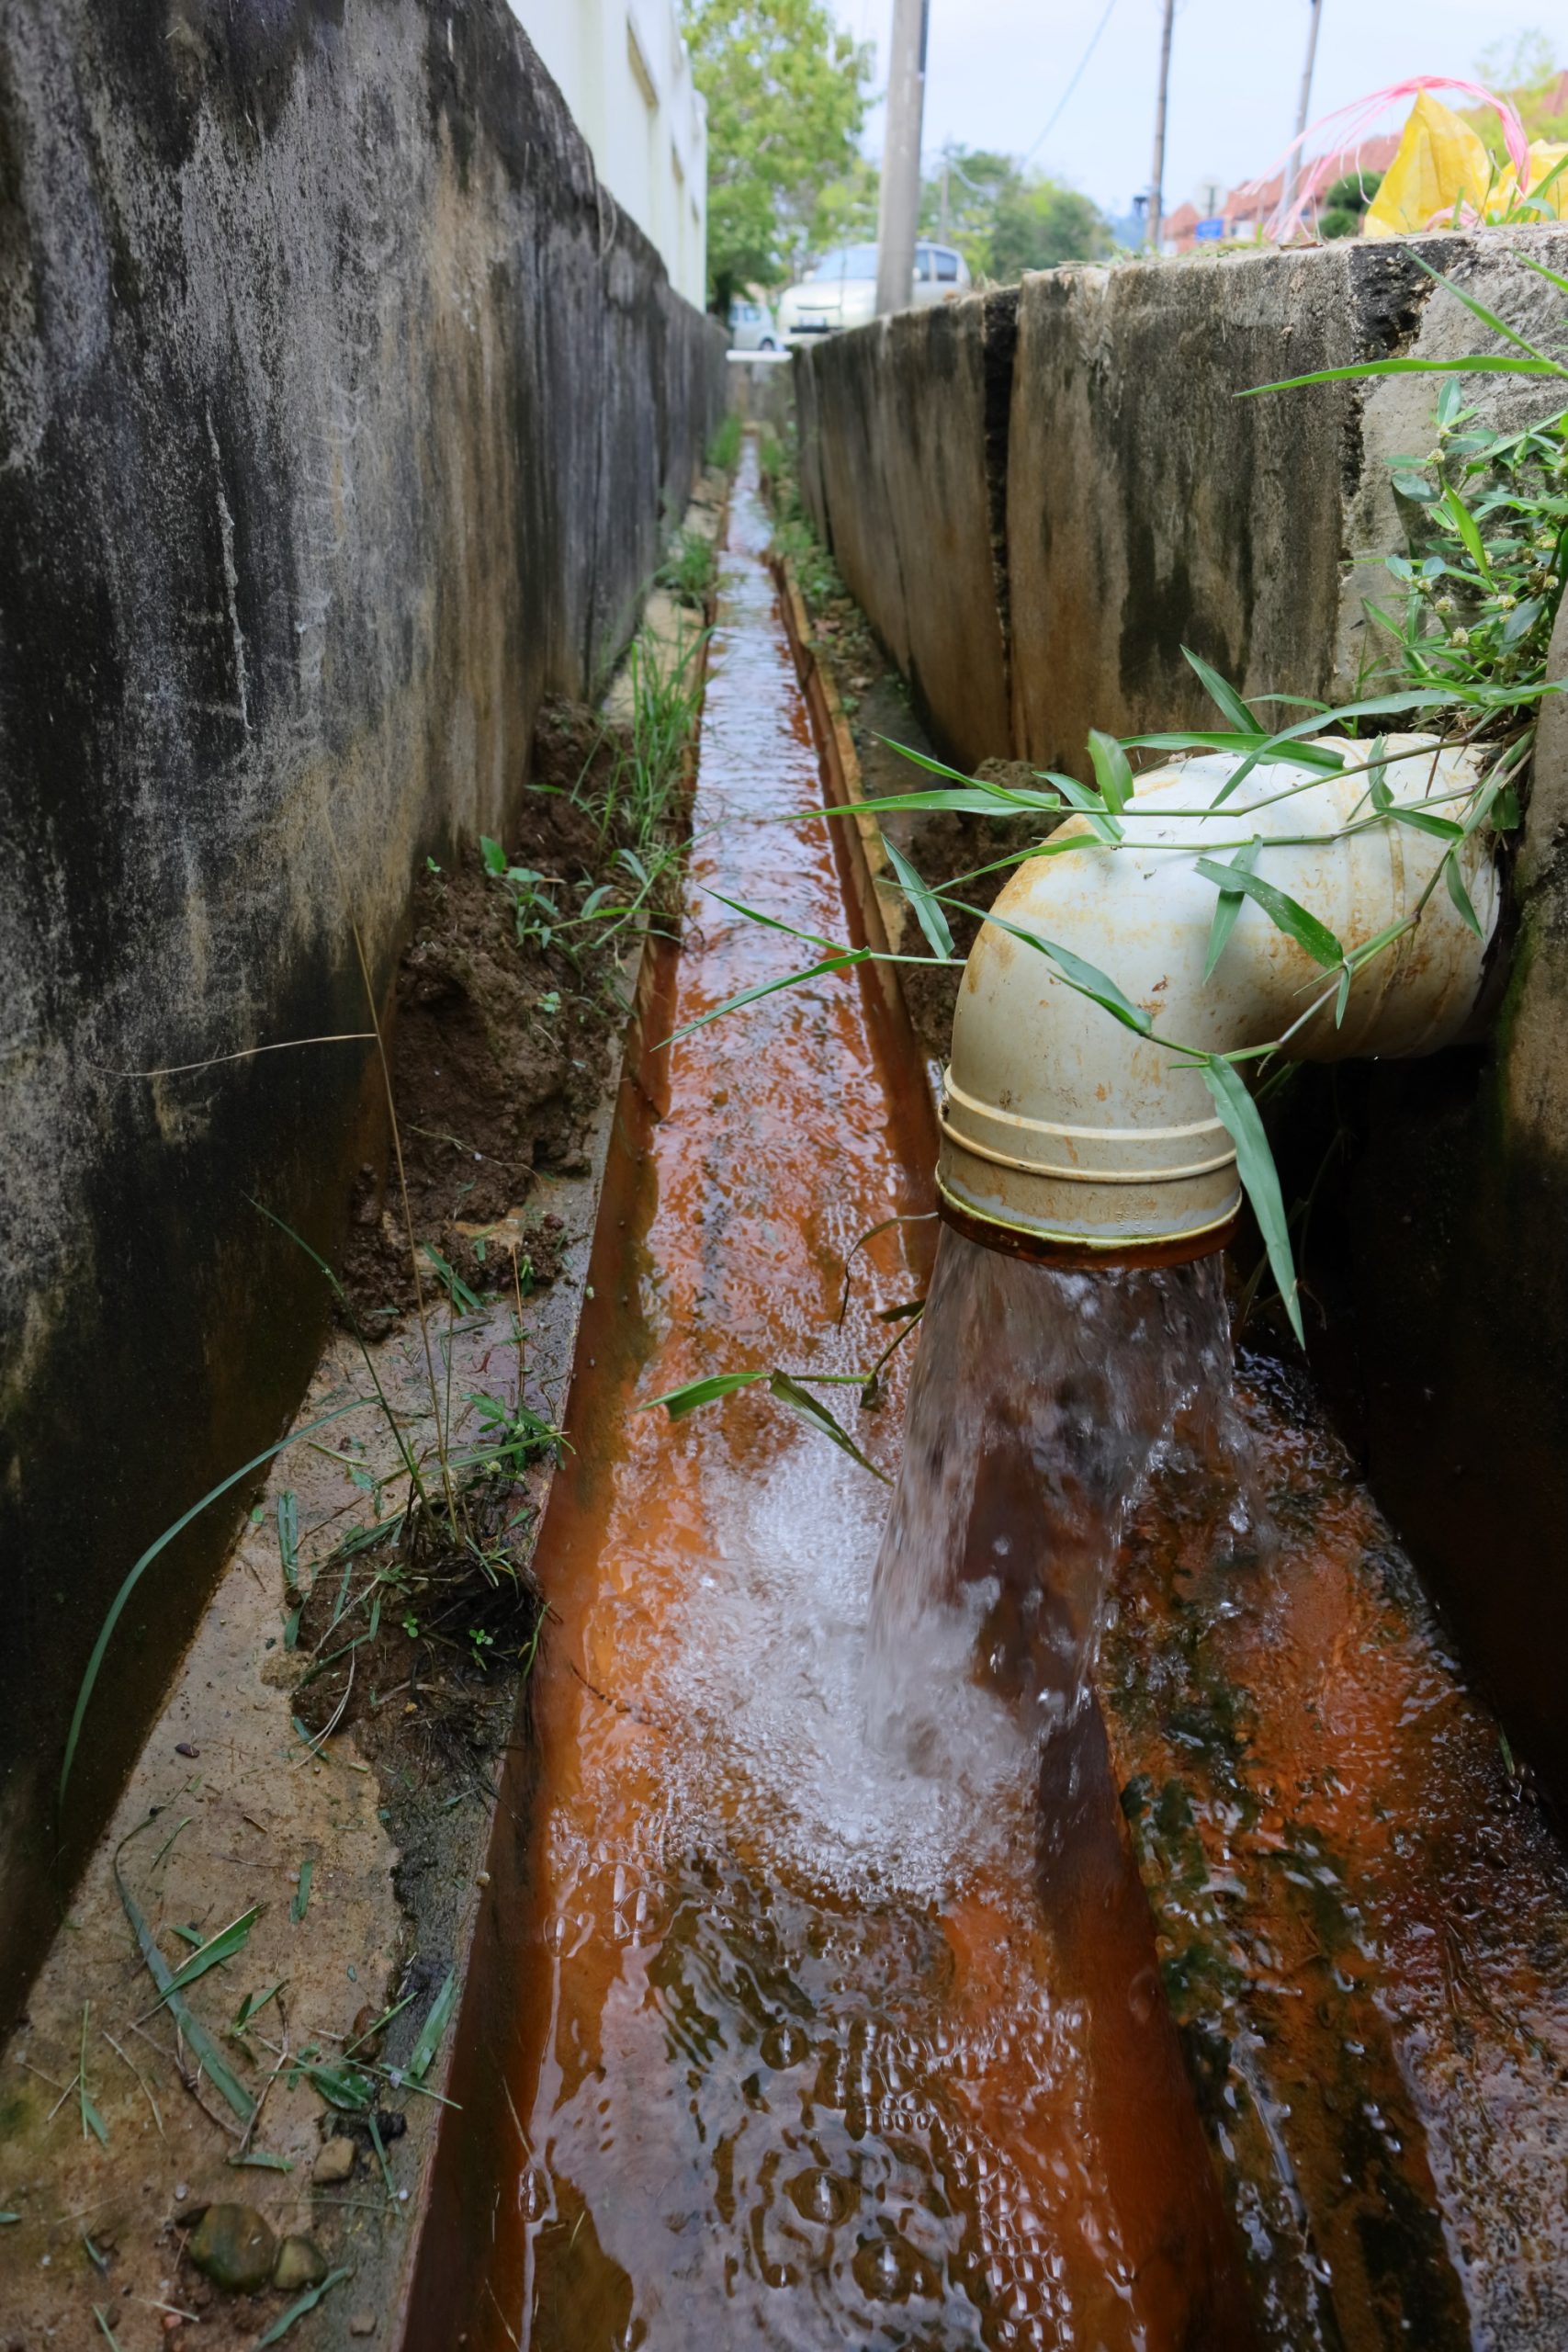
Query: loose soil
[{"x": 501, "y": 1043}]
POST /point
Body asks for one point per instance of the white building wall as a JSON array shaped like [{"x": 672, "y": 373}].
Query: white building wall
[{"x": 622, "y": 67}]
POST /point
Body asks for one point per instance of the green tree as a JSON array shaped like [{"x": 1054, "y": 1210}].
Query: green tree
[
  {"x": 1039, "y": 223},
  {"x": 787, "y": 95}
]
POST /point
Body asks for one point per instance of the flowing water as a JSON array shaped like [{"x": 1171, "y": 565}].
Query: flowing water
[
  {"x": 820, "y": 2040},
  {"x": 1040, "y": 1400}
]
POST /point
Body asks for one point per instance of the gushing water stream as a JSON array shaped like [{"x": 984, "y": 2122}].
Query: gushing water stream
[{"x": 1040, "y": 1399}]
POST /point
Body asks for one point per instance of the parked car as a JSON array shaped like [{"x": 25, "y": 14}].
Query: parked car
[
  {"x": 839, "y": 290},
  {"x": 752, "y": 327}
]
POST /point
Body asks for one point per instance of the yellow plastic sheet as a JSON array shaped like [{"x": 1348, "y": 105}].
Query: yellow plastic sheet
[{"x": 1442, "y": 164}]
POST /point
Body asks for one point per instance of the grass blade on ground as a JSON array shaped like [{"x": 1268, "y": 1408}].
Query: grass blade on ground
[
  {"x": 196, "y": 2037},
  {"x": 117, "y": 1605},
  {"x": 299, "y": 2306},
  {"x": 432, "y": 2028},
  {"x": 216, "y": 1949}
]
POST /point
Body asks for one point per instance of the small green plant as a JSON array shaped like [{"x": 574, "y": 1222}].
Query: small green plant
[
  {"x": 723, "y": 444},
  {"x": 690, "y": 569}
]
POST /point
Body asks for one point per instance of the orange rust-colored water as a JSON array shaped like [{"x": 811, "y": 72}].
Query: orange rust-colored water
[{"x": 806, "y": 2060}]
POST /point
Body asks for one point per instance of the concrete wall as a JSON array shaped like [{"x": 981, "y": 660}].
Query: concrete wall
[
  {"x": 1037, "y": 573},
  {"x": 624, "y": 71},
  {"x": 339, "y": 408}
]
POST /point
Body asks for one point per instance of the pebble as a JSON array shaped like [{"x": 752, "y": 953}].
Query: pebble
[
  {"x": 335, "y": 2163},
  {"x": 300, "y": 2263},
  {"x": 233, "y": 2246},
  {"x": 362, "y": 2323}
]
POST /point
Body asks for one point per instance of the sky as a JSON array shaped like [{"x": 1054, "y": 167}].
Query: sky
[{"x": 997, "y": 70}]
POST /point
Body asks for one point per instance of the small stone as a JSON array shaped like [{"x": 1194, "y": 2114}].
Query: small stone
[
  {"x": 234, "y": 2247},
  {"x": 300, "y": 2263},
  {"x": 181, "y": 2192},
  {"x": 362, "y": 2323},
  {"x": 184, "y": 1747},
  {"x": 335, "y": 2163}
]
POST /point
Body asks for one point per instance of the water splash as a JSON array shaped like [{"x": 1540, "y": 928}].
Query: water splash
[{"x": 1042, "y": 1400}]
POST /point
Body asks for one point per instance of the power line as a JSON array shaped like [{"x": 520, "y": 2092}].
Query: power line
[{"x": 1078, "y": 77}]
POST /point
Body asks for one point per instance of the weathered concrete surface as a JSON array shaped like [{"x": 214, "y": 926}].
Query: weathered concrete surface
[
  {"x": 339, "y": 408},
  {"x": 1459, "y": 1228},
  {"x": 1146, "y": 506},
  {"x": 906, "y": 472},
  {"x": 1130, "y": 501}
]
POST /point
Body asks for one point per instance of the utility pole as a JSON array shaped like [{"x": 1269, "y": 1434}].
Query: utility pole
[
  {"x": 1294, "y": 168},
  {"x": 1157, "y": 177},
  {"x": 898, "y": 198}
]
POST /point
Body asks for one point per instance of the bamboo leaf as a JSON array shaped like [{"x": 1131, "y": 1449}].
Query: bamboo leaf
[
  {"x": 1112, "y": 770},
  {"x": 1079, "y": 973},
  {"x": 1088, "y": 804},
  {"x": 789, "y": 1392},
  {"x": 1424, "y": 820},
  {"x": 1377, "y": 778},
  {"x": 770, "y": 987},
  {"x": 1227, "y": 906},
  {"x": 679, "y": 1402},
  {"x": 1222, "y": 693},
  {"x": 927, "y": 907},
  {"x": 1286, "y": 913},
  {"x": 1255, "y": 1165},
  {"x": 1460, "y": 894},
  {"x": 773, "y": 922}
]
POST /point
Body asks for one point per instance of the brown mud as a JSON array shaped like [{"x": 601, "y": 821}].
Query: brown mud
[{"x": 502, "y": 1034}]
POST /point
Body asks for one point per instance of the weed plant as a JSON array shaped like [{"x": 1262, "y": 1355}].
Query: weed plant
[{"x": 689, "y": 570}]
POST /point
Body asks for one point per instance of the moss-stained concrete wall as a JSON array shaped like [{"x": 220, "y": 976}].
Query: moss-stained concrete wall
[
  {"x": 339, "y": 407},
  {"x": 1144, "y": 505}
]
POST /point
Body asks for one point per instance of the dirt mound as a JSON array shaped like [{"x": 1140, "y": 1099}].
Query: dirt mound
[{"x": 509, "y": 1008}]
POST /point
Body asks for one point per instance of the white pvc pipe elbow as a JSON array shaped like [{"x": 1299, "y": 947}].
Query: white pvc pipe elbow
[{"x": 1062, "y": 1127}]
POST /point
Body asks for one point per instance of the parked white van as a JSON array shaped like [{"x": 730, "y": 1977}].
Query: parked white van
[
  {"x": 839, "y": 290},
  {"x": 751, "y": 326}
]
